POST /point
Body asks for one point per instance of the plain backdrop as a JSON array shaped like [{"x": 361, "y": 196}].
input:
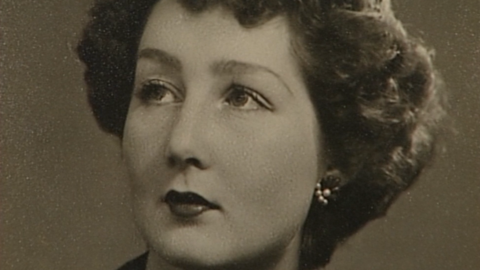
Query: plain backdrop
[{"x": 64, "y": 192}]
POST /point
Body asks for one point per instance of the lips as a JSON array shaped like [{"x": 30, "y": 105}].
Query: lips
[{"x": 188, "y": 204}]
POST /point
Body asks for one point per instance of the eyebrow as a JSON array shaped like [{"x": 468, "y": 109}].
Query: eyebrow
[
  {"x": 233, "y": 66},
  {"x": 227, "y": 66},
  {"x": 161, "y": 57}
]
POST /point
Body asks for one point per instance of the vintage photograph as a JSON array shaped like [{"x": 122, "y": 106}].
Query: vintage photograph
[{"x": 239, "y": 135}]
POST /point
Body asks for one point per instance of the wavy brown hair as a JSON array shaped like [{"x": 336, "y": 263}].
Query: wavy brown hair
[{"x": 374, "y": 88}]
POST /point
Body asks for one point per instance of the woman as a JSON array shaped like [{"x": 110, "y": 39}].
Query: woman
[{"x": 259, "y": 134}]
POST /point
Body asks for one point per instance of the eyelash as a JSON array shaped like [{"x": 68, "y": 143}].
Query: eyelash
[
  {"x": 155, "y": 91},
  {"x": 255, "y": 96}
]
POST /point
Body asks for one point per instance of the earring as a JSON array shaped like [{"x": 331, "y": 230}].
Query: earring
[{"x": 326, "y": 188}]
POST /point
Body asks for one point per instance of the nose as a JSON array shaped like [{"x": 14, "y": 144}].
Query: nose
[{"x": 188, "y": 146}]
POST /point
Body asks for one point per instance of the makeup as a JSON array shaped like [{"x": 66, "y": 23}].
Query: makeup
[{"x": 188, "y": 204}]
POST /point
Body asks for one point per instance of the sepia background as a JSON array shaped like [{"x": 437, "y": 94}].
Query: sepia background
[{"x": 64, "y": 197}]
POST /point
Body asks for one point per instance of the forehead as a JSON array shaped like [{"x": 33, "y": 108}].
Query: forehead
[
  {"x": 180, "y": 11},
  {"x": 216, "y": 33}
]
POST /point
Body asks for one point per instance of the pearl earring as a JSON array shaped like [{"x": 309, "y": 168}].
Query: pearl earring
[{"x": 326, "y": 188}]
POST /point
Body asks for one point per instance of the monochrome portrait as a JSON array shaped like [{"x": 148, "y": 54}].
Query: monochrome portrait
[{"x": 237, "y": 134}]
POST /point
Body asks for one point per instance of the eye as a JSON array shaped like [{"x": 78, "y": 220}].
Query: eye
[
  {"x": 158, "y": 92},
  {"x": 244, "y": 98}
]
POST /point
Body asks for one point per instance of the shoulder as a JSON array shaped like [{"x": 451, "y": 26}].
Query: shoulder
[{"x": 139, "y": 263}]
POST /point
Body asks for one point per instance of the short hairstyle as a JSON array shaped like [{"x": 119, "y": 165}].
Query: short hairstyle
[{"x": 374, "y": 88}]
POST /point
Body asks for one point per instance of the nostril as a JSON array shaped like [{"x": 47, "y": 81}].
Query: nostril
[{"x": 193, "y": 162}]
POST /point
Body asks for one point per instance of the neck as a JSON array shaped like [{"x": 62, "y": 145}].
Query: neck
[{"x": 286, "y": 259}]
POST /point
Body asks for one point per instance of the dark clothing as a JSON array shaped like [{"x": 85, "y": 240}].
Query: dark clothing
[{"x": 139, "y": 263}]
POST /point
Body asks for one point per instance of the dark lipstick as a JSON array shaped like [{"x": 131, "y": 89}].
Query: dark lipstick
[{"x": 188, "y": 204}]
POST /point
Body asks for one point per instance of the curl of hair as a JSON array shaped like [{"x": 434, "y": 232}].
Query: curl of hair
[{"x": 374, "y": 88}]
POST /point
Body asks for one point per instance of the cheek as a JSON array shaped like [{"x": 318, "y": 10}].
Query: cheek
[
  {"x": 143, "y": 144},
  {"x": 273, "y": 170}
]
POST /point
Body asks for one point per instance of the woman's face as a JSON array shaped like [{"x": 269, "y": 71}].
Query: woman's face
[{"x": 221, "y": 139}]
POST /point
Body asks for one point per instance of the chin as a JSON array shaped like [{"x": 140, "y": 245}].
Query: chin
[
  {"x": 197, "y": 257},
  {"x": 189, "y": 249},
  {"x": 213, "y": 254}
]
